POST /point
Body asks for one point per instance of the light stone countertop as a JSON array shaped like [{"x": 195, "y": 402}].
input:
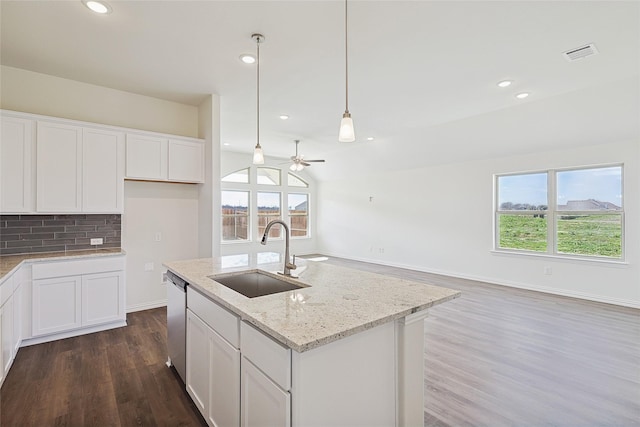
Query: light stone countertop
[
  {"x": 338, "y": 301},
  {"x": 10, "y": 263}
]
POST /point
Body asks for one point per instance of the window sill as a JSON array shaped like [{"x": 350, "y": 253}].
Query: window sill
[{"x": 569, "y": 258}]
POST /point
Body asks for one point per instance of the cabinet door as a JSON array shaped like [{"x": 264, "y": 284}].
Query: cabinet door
[
  {"x": 198, "y": 362},
  {"x": 59, "y": 168},
  {"x": 102, "y": 171},
  {"x": 186, "y": 161},
  {"x": 224, "y": 403},
  {"x": 56, "y": 305},
  {"x": 102, "y": 298},
  {"x": 16, "y": 165},
  {"x": 6, "y": 338},
  {"x": 17, "y": 317},
  {"x": 263, "y": 403},
  {"x": 146, "y": 157}
]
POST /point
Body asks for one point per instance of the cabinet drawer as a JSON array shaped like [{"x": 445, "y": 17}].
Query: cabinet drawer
[
  {"x": 218, "y": 318},
  {"x": 271, "y": 357},
  {"x": 79, "y": 267}
]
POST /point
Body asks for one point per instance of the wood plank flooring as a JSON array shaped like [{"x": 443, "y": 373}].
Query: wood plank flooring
[
  {"x": 111, "y": 378},
  {"x": 494, "y": 357},
  {"x": 501, "y": 356}
]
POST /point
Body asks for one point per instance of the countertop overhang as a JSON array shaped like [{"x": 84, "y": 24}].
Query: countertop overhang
[{"x": 336, "y": 303}]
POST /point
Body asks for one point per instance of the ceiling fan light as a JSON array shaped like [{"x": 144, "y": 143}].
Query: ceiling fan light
[
  {"x": 258, "y": 155},
  {"x": 347, "y": 132}
]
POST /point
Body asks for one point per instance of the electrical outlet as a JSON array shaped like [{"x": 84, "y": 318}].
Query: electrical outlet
[
  {"x": 148, "y": 266},
  {"x": 98, "y": 241},
  {"x": 158, "y": 236},
  {"x": 547, "y": 271}
]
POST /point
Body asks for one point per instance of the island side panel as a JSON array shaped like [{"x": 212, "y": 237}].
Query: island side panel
[
  {"x": 351, "y": 381},
  {"x": 410, "y": 333}
]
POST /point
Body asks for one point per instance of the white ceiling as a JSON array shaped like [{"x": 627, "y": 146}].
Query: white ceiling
[{"x": 423, "y": 74}]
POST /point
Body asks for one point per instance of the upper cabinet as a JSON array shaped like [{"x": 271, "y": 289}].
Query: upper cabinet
[
  {"x": 17, "y": 156},
  {"x": 52, "y": 165},
  {"x": 102, "y": 171},
  {"x": 59, "y": 168},
  {"x": 164, "y": 159},
  {"x": 79, "y": 169}
]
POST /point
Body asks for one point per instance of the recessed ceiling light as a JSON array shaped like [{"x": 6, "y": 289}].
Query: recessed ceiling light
[
  {"x": 247, "y": 58},
  {"x": 98, "y": 6},
  {"x": 284, "y": 116},
  {"x": 505, "y": 83},
  {"x": 226, "y": 144},
  {"x": 522, "y": 95},
  {"x": 370, "y": 138}
]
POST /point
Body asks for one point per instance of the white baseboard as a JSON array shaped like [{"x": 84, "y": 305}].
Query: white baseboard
[
  {"x": 146, "y": 306},
  {"x": 74, "y": 333},
  {"x": 493, "y": 281}
]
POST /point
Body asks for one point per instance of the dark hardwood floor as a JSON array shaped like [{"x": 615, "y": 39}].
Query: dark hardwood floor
[
  {"x": 111, "y": 378},
  {"x": 494, "y": 357}
]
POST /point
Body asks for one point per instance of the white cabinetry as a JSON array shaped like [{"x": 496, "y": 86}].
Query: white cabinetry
[
  {"x": 16, "y": 165},
  {"x": 102, "y": 171},
  {"x": 79, "y": 169},
  {"x": 76, "y": 297},
  {"x": 6, "y": 328},
  {"x": 146, "y": 157},
  {"x": 266, "y": 380},
  {"x": 59, "y": 167},
  {"x": 213, "y": 360},
  {"x": 186, "y": 161},
  {"x": 155, "y": 158}
]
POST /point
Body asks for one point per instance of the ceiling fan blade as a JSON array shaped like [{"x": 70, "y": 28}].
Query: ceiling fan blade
[
  {"x": 315, "y": 161},
  {"x": 303, "y": 162}
]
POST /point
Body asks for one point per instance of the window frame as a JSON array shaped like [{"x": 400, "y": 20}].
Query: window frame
[
  {"x": 253, "y": 188},
  {"x": 552, "y": 213}
]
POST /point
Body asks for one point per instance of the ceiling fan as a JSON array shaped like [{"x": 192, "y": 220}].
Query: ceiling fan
[{"x": 298, "y": 162}]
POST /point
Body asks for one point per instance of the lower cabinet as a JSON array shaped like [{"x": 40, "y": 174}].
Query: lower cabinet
[
  {"x": 6, "y": 336},
  {"x": 75, "y": 295},
  {"x": 263, "y": 402},
  {"x": 213, "y": 373}
]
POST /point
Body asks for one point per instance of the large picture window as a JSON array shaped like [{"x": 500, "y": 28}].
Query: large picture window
[{"x": 576, "y": 212}]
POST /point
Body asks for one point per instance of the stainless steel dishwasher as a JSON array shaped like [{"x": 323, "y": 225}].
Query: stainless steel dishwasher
[{"x": 177, "y": 323}]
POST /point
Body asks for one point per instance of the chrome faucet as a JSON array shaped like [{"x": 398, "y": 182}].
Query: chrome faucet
[{"x": 288, "y": 266}]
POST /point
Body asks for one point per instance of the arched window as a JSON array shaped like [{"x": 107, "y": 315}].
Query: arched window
[{"x": 254, "y": 196}]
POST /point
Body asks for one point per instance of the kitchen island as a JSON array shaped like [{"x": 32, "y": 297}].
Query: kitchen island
[{"x": 347, "y": 348}]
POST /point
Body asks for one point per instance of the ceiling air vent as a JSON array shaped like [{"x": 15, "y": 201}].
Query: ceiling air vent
[{"x": 580, "y": 52}]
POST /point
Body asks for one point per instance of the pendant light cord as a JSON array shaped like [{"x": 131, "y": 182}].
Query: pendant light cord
[
  {"x": 258, "y": 92},
  {"x": 346, "y": 59}
]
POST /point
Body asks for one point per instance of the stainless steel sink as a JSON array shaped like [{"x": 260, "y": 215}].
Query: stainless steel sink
[{"x": 255, "y": 283}]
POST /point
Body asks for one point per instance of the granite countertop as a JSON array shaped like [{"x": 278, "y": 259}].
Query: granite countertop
[
  {"x": 338, "y": 301},
  {"x": 10, "y": 262}
]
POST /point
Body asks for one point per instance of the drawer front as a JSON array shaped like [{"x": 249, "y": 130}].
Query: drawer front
[
  {"x": 43, "y": 270},
  {"x": 221, "y": 320},
  {"x": 269, "y": 356}
]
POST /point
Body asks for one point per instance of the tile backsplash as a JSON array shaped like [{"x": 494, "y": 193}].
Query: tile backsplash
[{"x": 24, "y": 234}]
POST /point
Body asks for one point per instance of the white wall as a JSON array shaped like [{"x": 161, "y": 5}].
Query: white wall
[
  {"x": 151, "y": 208},
  {"x": 29, "y": 92},
  {"x": 440, "y": 219},
  {"x": 172, "y": 209}
]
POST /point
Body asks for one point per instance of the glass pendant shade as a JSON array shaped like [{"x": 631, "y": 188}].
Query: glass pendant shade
[
  {"x": 347, "y": 133},
  {"x": 258, "y": 156}
]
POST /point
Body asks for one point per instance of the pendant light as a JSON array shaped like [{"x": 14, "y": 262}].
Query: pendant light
[
  {"x": 258, "y": 155},
  {"x": 347, "y": 133}
]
